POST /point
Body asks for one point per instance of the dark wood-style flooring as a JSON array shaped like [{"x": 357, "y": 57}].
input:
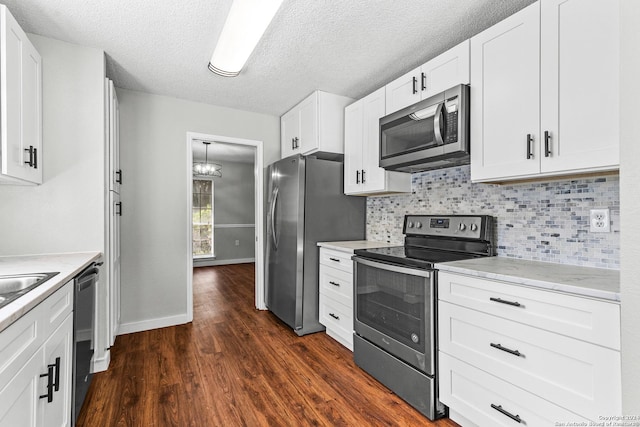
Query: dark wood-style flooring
[{"x": 237, "y": 366}]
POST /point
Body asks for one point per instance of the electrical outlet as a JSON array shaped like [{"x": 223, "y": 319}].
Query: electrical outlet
[
  {"x": 237, "y": 242},
  {"x": 600, "y": 220}
]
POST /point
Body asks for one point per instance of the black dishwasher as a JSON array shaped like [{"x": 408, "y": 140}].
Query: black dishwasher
[{"x": 84, "y": 331}]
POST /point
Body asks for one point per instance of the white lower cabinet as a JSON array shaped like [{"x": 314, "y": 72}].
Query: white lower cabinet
[
  {"x": 36, "y": 355},
  {"x": 507, "y": 354},
  {"x": 336, "y": 295}
]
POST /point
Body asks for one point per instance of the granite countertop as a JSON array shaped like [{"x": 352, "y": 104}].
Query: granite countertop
[
  {"x": 68, "y": 265},
  {"x": 584, "y": 281},
  {"x": 350, "y": 246}
]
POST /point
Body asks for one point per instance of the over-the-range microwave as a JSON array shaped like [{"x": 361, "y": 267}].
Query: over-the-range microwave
[{"x": 430, "y": 134}]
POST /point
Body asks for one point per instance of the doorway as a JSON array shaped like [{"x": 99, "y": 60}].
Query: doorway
[{"x": 239, "y": 148}]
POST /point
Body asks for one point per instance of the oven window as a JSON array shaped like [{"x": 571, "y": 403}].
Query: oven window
[{"x": 394, "y": 304}]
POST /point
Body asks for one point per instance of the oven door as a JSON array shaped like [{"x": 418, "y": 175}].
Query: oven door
[{"x": 394, "y": 308}]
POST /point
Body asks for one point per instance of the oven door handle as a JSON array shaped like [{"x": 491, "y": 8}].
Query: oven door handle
[{"x": 393, "y": 268}]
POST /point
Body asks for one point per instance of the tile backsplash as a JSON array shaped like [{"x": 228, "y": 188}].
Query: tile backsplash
[{"x": 541, "y": 221}]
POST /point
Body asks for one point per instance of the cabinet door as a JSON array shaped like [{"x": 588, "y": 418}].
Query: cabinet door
[
  {"x": 353, "y": 135},
  {"x": 308, "y": 111},
  {"x": 21, "y": 103},
  {"x": 114, "y": 266},
  {"x": 373, "y": 176},
  {"x": 19, "y": 397},
  {"x": 58, "y": 351},
  {"x": 403, "y": 91},
  {"x": 446, "y": 70},
  {"x": 579, "y": 84},
  {"x": 289, "y": 126},
  {"x": 505, "y": 97},
  {"x": 114, "y": 140}
]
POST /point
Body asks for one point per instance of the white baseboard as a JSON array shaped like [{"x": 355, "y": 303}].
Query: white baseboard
[
  {"x": 211, "y": 262},
  {"x": 147, "y": 325},
  {"x": 102, "y": 363}
]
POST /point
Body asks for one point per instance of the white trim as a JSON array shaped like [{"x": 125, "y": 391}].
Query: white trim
[
  {"x": 101, "y": 364},
  {"x": 258, "y": 214},
  {"x": 211, "y": 262},
  {"x": 147, "y": 325},
  {"x": 234, "y": 225}
]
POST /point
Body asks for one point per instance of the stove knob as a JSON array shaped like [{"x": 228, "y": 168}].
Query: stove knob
[
  {"x": 462, "y": 226},
  {"x": 418, "y": 224},
  {"x": 474, "y": 227},
  {"x": 410, "y": 224}
]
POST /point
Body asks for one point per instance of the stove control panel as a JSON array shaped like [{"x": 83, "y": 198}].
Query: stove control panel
[{"x": 466, "y": 226}]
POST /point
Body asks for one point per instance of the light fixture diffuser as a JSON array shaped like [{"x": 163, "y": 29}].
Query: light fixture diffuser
[{"x": 245, "y": 25}]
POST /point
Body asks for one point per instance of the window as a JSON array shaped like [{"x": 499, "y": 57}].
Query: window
[{"x": 202, "y": 221}]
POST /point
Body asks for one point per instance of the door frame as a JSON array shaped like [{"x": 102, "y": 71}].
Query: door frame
[{"x": 258, "y": 213}]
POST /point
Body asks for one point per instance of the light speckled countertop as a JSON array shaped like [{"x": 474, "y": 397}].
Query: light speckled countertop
[
  {"x": 68, "y": 265},
  {"x": 584, "y": 281},
  {"x": 350, "y": 246}
]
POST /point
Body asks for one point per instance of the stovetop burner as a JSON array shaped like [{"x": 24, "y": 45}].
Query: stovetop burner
[{"x": 434, "y": 239}]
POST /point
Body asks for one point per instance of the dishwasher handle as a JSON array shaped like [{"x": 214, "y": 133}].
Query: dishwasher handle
[{"x": 87, "y": 277}]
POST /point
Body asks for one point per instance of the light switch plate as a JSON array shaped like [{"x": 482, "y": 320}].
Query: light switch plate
[{"x": 600, "y": 220}]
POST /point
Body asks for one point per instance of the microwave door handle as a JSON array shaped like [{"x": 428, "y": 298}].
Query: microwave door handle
[{"x": 438, "y": 124}]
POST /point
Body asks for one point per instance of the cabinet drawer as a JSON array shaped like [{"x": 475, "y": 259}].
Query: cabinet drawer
[
  {"x": 337, "y": 284},
  {"x": 337, "y": 318},
  {"x": 474, "y": 394},
  {"x": 336, "y": 259},
  {"x": 57, "y": 307},
  {"x": 579, "y": 376},
  {"x": 578, "y": 317}
]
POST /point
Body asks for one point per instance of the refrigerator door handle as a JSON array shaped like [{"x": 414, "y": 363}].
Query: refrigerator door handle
[{"x": 273, "y": 218}]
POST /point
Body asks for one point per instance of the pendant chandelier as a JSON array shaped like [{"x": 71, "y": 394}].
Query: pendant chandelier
[{"x": 206, "y": 168}]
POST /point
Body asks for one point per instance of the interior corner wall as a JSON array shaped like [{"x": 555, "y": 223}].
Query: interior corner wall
[
  {"x": 153, "y": 157},
  {"x": 66, "y": 212},
  {"x": 630, "y": 204}
]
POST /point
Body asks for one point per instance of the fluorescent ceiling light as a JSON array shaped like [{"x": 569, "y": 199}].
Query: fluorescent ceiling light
[{"x": 245, "y": 25}]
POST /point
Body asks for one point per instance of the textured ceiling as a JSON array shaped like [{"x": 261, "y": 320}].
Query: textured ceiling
[{"x": 348, "y": 47}]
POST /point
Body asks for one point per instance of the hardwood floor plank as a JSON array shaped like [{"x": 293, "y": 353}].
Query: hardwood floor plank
[{"x": 237, "y": 366}]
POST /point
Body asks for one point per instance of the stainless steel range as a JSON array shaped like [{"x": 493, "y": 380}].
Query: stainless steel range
[{"x": 395, "y": 311}]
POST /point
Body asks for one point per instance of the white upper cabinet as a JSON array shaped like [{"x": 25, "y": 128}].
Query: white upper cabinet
[
  {"x": 315, "y": 124},
  {"x": 442, "y": 72},
  {"x": 113, "y": 138},
  {"x": 362, "y": 175},
  {"x": 579, "y": 81},
  {"x": 544, "y": 92},
  {"x": 20, "y": 104}
]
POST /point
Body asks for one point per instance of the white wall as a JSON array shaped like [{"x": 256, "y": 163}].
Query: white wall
[
  {"x": 154, "y": 195},
  {"x": 66, "y": 212},
  {"x": 630, "y": 203}
]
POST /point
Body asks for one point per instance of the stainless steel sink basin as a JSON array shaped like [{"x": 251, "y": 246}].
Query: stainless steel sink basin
[{"x": 15, "y": 285}]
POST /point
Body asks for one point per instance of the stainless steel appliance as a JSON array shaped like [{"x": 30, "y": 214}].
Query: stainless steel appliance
[
  {"x": 430, "y": 134},
  {"x": 395, "y": 312},
  {"x": 83, "y": 334},
  {"x": 306, "y": 205}
]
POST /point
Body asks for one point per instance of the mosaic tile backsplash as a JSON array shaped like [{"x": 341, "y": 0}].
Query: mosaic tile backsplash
[{"x": 541, "y": 221}]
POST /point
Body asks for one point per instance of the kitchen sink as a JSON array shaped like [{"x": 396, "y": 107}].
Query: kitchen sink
[{"x": 15, "y": 285}]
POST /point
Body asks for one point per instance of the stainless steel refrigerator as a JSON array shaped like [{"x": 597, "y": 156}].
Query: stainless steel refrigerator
[{"x": 306, "y": 205}]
